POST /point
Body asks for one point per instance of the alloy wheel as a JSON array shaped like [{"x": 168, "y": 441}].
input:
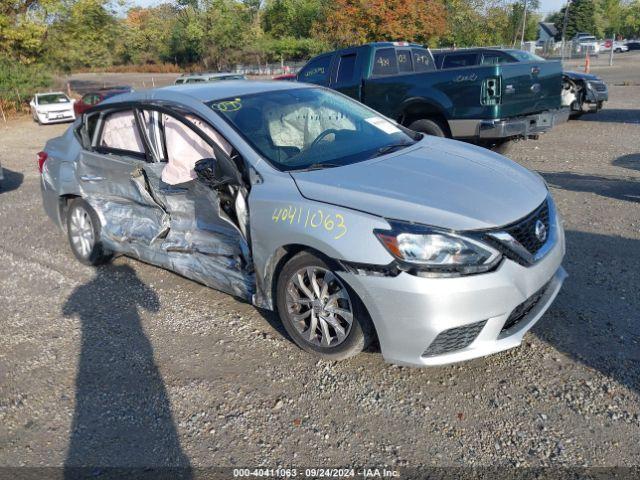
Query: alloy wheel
[
  {"x": 319, "y": 306},
  {"x": 81, "y": 232}
]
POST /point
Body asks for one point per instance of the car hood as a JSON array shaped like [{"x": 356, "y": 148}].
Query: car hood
[
  {"x": 438, "y": 182},
  {"x": 54, "y": 107},
  {"x": 581, "y": 76}
]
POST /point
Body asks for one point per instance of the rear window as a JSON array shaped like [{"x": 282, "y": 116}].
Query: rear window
[
  {"x": 459, "y": 60},
  {"x": 316, "y": 71},
  {"x": 385, "y": 62},
  {"x": 346, "y": 68}
]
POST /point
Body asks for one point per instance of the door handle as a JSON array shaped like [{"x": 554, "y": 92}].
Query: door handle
[{"x": 91, "y": 178}]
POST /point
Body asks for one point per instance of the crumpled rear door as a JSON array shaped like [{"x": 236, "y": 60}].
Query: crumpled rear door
[{"x": 114, "y": 185}]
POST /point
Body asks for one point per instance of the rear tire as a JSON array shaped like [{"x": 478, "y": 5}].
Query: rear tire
[
  {"x": 320, "y": 312},
  {"x": 429, "y": 127},
  {"x": 83, "y": 232}
]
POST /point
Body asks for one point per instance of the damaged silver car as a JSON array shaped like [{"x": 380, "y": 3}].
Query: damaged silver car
[{"x": 300, "y": 200}]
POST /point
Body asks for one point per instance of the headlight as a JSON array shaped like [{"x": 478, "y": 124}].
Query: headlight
[{"x": 438, "y": 251}]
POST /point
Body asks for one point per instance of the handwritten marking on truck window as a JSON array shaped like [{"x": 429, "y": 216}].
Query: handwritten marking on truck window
[
  {"x": 312, "y": 219},
  {"x": 228, "y": 105}
]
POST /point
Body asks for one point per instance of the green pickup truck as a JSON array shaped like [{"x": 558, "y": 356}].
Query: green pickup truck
[{"x": 485, "y": 104}]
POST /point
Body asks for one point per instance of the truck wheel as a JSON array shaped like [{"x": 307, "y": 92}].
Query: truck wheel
[
  {"x": 429, "y": 127},
  {"x": 320, "y": 312},
  {"x": 83, "y": 230}
]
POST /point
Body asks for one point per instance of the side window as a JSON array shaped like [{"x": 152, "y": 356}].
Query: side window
[
  {"x": 177, "y": 144},
  {"x": 120, "y": 132},
  {"x": 385, "y": 62},
  {"x": 494, "y": 58},
  {"x": 405, "y": 63},
  {"x": 316, "y": 71},
  {"x": 459, "y": 60},
  {"x": 422, "y": 60},
  {"x": 346, "y": 68}
]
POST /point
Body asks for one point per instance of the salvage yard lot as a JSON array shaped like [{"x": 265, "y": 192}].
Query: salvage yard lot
[{"x": 213, "y": 381}]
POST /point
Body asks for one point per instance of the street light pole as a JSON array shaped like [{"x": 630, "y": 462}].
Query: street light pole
[
  {"x": 524, "y": 23},
  {"x": 613, "y": 41},
  {"x": 564, "y": 27}
]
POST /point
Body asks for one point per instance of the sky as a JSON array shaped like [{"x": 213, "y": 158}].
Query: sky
[{"x": 546, "y": 6}]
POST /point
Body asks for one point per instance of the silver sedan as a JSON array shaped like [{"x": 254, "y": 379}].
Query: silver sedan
[{"x": 303, "y": 201}]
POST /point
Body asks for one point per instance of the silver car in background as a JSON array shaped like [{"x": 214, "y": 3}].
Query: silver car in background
[{"x": 303, "y": 201}]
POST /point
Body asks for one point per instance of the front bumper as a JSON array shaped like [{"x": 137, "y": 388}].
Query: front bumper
[
  {"x": 518, "y": 127},
  {"x": 409, "y": 312},
  {"x": 596, "y": 93},
  {"x": 57, "y": 118}
]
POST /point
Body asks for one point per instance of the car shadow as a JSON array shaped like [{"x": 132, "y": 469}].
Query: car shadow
[
  {"x": 612, "y": 115},
  {"x": 631, "y": 161},
  {"x": 595, "y": 317},
  {"x": 122, "y": 417},
  {"x": 626, "y": 189},
  {"x": 12, "y": 180}
]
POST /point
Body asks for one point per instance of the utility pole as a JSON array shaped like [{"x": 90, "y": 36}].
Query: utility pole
[
  {"x": 613, "y": 41},
  {"x": 524, "y": 23},
  {"x": 564, "y": 27}
]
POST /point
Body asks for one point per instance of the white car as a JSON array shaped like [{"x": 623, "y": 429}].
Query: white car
[
  {"x": 589, "y": 44},
  {"x": 54, "y": 107},
  {"x": 618, "y": 47}
]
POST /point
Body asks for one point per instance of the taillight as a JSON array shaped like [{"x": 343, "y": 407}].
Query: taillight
[{"x": 42, "y": 157}]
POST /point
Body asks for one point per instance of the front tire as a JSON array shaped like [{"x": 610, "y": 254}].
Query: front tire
[
  {"x": 320, "y": 312},
  {"x": 83, "y": 232},
  {"x": 429, "y": 127}
]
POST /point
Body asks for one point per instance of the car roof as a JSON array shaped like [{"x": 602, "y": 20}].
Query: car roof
[
  {"x": 209, "y": 75},
  {"x": 207, "y": 92},
  {"x": 50, "y": 93}
]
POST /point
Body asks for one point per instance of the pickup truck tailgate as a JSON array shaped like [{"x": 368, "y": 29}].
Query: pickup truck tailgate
[{"x": 530, "y": 87}]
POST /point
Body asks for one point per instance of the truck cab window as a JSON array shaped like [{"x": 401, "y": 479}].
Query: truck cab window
[
  {"x": 346, "y": 68},
  {"x": 405, "y": 63},
  {"x": 494, "y": 58},
  {"x": 316, "y": 71},
  {"x": 385, "y": 62},
  {"x": 459, "y": 60}
]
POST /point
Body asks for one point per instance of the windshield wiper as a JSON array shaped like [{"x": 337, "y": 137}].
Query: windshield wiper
[
  {"x": 318, "y": 166},
  {"x": 391, "y": 148}
]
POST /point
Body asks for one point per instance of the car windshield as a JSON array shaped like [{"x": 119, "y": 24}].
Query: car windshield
[
  {"x": 308, "y": 128},
  {"x": 52, "y": 99},
  {"x": 523, "y": 56}
]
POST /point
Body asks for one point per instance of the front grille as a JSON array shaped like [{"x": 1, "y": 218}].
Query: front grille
[
  {"x": 454, "y": 339},
  {"x": 599, "y": 87},
  {"x": 524, "y": 231},
  {"x": 524, "y": 308}
]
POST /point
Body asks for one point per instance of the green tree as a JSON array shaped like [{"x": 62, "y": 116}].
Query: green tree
[
  {"x": 84, "y": 35},
  {"x": 583, "y": 17},
  {"x": 291, "y": 18}
]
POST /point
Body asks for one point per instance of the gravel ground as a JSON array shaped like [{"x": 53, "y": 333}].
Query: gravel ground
[{"x": 131, "y": 365}]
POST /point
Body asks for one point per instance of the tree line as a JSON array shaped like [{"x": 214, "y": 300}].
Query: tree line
[
  {"x": 216, "y": 34},
  {"x": 68, "y": 35}
]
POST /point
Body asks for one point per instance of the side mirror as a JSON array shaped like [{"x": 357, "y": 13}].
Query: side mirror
[{"x": 209, "y": 172}]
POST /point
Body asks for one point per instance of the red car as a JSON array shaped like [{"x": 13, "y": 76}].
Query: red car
[
  {"x": 290, "y": 77},
  {"x": 90, "y": 99}
]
